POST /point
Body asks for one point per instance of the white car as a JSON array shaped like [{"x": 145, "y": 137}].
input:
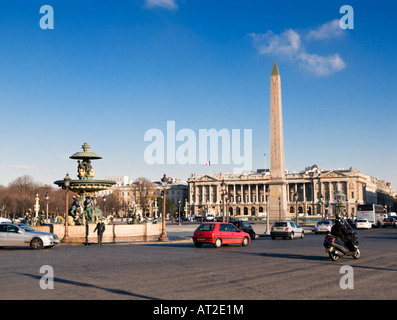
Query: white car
[
  {"x": 286, "y": 229},
  {"x": 21, "y": 235},
  {"x": 363, "y": 224}
]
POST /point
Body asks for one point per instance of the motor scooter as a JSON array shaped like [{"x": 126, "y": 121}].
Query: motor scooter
[{"x": 337, "y": 248}]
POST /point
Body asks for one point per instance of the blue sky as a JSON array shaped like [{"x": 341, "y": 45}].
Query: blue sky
[{"x": 111, "y": 70}]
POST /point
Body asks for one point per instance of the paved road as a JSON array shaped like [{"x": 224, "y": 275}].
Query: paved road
[{"x": 266, "y": 269}]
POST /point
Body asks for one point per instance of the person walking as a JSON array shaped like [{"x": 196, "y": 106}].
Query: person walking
[{"x": 100, "y": 228}]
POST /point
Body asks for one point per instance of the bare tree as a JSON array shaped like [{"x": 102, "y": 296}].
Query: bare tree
[
  {"x": 143, "y": 191},
  {"x": 114, "y": 202},
  {"x": 18, "y": 197}
]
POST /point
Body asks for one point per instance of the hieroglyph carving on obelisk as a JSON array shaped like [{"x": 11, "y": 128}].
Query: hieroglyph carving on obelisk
[{"x": 277, "y": 170}]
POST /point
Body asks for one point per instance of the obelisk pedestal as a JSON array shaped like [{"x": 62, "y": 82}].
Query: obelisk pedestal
[{"x": 277, "y": 200}]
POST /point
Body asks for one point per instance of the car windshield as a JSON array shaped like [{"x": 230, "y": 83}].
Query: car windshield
[
  {"x": 324, "y": 222},
  {"x": 206, "y": 227},
  {"x": 25, "y": 227},
  {"x": 280, "y": 224},
  {"x": 361, "y": 220}
]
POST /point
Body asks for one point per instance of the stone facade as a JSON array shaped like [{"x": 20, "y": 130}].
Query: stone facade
[
  {"x": 113, "y": 232},
  {"x": 309, "y": 192}
]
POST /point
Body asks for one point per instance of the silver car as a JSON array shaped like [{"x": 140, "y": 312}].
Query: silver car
[
  {"x": 286, "y": 229},
  {"x": 323, "y": 226},
  {"x": 21, "y": 235}
]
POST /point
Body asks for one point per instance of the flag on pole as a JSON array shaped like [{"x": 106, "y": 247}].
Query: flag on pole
[{"x": 207, "y": 164}]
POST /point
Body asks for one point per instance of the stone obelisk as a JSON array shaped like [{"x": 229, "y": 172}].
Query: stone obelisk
[{"x": 277, "y": 200}]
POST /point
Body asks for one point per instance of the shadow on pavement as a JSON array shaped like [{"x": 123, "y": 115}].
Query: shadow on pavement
[{"x": 87, "y": 285}]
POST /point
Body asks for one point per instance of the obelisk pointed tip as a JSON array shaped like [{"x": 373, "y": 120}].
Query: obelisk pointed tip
[{"x": 275, "y": 69}]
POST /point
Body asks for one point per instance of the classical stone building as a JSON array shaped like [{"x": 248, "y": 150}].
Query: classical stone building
[
  {"x": 309, "y": 192},
  {"x": 177, "y": 191}
]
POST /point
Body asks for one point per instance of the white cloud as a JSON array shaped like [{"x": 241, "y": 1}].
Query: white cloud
[
  {"x": 327, "y": 30},
  {"x": 319, "y": 65},
  {"x": 288, "y": 44},
  {"x": 167, "y": 4}
]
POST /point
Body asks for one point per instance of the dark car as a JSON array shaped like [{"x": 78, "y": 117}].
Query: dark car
[
  {"x": 246, "y": 227},
  {"x": 389, "y": 222}
]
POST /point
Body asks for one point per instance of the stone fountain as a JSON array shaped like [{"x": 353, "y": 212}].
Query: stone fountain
[
  {"x": 340, "y": 205},
  {"x": 84, "y": 208}
]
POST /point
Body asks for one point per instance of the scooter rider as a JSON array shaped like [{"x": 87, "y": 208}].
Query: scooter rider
[{"x": 340, "y": 230}]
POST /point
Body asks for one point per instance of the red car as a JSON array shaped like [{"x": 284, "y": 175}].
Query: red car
[{"x": 218, "y": 233}]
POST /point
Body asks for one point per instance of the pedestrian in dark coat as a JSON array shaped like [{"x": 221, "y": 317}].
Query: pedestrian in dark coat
[{"x": 100, "y": 228}]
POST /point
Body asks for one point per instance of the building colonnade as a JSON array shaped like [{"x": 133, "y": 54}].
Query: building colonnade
[{"x": 247, "y": 195}]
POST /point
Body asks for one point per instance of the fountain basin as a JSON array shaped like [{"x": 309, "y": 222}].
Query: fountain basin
[{"x": 86, "y": 186}]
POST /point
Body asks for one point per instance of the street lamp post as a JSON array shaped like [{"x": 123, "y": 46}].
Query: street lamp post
[
  {"x": 227, "y": 207},
  {"x": 47, "y": 199},
  {"x": 66, "y": 183},
  {"x": 163, "y": 236},
  {"x": 279, "y": 208},
  {"x": 179, "y": 212},
  {"x": 267, "y": 212},
  {"x": 321, "y": 206},
  {"x": 223, "y": 188}
]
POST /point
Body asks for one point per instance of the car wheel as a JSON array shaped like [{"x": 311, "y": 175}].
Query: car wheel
[
  {"x": 198, "y": 244},
  {"x": 253, "y": 235},
  {"x": 291, "y": 236},
  {"x": 273, "y": 237},
  {"x": 36, "y": 243},
  {"x": 245, "y": 242},
  {"x": 218, "y": 243},
  {"x": 302, "y": 235}
]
